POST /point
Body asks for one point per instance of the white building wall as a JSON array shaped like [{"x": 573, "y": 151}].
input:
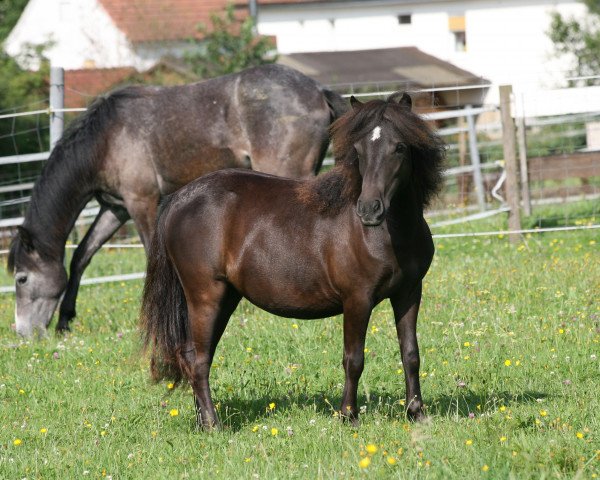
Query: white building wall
[
  {"x": 507, "y": 41},
  {"x": 80, "y": 34}
]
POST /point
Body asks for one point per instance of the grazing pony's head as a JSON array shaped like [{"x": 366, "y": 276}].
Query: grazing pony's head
[{"x": 394, "y": 148}]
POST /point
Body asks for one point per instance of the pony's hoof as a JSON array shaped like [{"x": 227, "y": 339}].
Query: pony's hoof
[
  {"x": 62, "y": 328},
  {"x": 416, "y": 415},
  {"x": 352, "y": 420}
]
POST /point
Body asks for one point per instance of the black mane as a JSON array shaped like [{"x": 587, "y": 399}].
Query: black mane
[{"x": 68, "y": 177}]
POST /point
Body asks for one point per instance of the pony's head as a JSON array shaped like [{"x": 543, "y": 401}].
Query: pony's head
[
  {"x": 394, "y": 149},
  {"x": 39, "y": 283}
]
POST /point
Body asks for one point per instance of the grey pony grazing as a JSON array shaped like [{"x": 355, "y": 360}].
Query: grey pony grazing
[{"x": 139, "y": 143}]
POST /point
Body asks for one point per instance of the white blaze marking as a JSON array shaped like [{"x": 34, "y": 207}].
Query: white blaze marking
[{"x": 376, "y": 134}]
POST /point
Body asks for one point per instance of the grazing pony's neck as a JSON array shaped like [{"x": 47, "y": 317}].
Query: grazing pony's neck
[{"x": 69, "y": 177}]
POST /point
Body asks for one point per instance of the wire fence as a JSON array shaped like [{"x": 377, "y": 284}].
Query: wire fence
[{"x": 558, "y": 151}]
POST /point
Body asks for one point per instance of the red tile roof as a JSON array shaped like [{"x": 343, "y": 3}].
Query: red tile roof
[
  {"x": 82, "y": 86},
  {"x": 154, "y": 20}
]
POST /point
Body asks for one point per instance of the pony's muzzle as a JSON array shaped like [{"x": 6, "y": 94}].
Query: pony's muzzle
[{"x": 371, "y": 212}]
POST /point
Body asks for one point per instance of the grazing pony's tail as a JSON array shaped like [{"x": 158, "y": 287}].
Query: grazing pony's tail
[{"x": 164, "y": 316}]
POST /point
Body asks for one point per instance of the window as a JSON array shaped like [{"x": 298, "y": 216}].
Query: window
[
  {"x": 457, "y": 25},
  {"x": 405, "y": 19},
  {"x": 460, "y": 41}
]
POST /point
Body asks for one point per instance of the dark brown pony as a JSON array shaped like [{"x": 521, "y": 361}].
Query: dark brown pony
[
  {"x": 139, "y": 143},
  {"x": 339, "y": 243}
]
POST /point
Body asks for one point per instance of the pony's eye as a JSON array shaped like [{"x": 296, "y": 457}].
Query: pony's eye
[
  {"x": 400, "y": 148},
  {"x": 21, "y": 279}
]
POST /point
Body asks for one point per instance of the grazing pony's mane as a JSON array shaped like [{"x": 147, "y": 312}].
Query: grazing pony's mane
[
  {"x": 70, "y": 170},
  {"x": 329, "y": 193}
]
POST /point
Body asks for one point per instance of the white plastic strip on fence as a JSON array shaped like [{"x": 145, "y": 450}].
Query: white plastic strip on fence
[
  {"x": 469, "y": 218},
  {"x": 517, "y": 232},
  {"x": 29, "y": 157},
  {"x": 94, "y": 281},
  {"x": 140, "y": 275}
]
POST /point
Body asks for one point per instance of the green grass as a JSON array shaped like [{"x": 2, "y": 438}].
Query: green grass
[{"x": 486, "y": 303}]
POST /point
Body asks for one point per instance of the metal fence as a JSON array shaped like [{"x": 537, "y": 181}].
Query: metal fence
[{"x": 514, "y": 158}]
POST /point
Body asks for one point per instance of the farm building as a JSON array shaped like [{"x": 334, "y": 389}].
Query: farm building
[{"x": 504, "y": 43}]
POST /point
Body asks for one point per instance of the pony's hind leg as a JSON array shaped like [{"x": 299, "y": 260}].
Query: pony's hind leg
[
  {"x": 209, "y": 312},
  {"x": 406, "y": 327}
]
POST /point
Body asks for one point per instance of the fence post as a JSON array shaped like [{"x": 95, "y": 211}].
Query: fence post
[
  {"x": 510, "y": 161},
  {"x": 57, "y": 102},
  {"x": 474, "y": 151},
  {"x": 522, "y": 140}
]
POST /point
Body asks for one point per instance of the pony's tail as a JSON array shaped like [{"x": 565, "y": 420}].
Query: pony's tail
[{"x": 164, "y": 316}]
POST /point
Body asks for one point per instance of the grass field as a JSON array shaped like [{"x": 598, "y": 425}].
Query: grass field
[{"x": 510, "y": 347}]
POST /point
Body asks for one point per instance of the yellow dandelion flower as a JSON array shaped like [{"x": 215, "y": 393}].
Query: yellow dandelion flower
[
  {"x": 103, "y": 433},
  {"x": 543, "y": 413},
  {"x": 247, "y": 459},
  {"x": 579, "y": 435},
  {"x": 365, "y": 462},
  {"x": 21, "y": 391},
  {"x": 391, "y": 460},
  {"x": 295, "y": 325},
  {"x": 467, "y": 344},
  {"x": 170, "y": 386},
  {"x": 503, "y": 438},
  {"x": 272, "y": 406},
  {"x": 371, "y": 448},
  {"x": 274, "y": 432},
  {"x": 502, "y": 408},
  {"x": 174, "y": 412},
  {"x": 485, "y": 468},
  {"x": 469, "y": 442},
  {"x": 255, "y": 428},
  {"x": 17, "y": 442},
  {"x": 561, "y": 330},
  {"x": 43, "y": 430},
  {"x": 507, "y": 363},
  {"x": 153, "y": 434}
]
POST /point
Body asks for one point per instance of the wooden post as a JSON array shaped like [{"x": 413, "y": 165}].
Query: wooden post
[
  {"x": 522, "y": 141},
  {"x": 464, "y": 179},
  {"x": 510, "y": 161}
]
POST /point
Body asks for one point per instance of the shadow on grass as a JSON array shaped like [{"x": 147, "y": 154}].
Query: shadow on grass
[{"x": 236, "y": 414}]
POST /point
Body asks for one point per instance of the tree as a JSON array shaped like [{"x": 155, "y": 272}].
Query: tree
[
  {"x": 10, "y": 11},
  {"x": 580, "y": 39},
  {"x": 229, "y": 46}
]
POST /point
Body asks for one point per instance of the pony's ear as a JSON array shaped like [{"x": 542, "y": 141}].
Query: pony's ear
[
  {"x": 25, "y": 238},
  {"x": 355, "y": 102},
  {"x": 405, "y": 101}
]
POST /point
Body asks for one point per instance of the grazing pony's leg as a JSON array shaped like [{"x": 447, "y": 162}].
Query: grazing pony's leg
[
  {"x": 406, "y": 327},
  {"x": 356, "y": 319},
  {"x": 106, "y": 223},
  {"x": 209, "y": 309}
]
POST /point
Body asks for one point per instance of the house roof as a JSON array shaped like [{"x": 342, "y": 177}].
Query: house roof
[
  {"x": 154, "y": 20},
  {"x": 407, "y": 65}
]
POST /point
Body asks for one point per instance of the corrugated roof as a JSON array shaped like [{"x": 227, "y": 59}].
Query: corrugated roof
[
  {"x": 154, "y": 20},
  {"x": 388, "y": 65}
]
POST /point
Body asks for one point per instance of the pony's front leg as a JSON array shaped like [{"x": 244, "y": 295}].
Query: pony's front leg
[
  {"x": 406, "y": 314},
  {"x": 106, "y": 223},
  {"x": 356, "y": 319}
]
